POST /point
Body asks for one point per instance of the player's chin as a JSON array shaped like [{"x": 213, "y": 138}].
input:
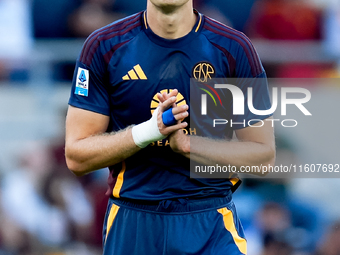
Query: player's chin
[{"x": 169, "y": 4}]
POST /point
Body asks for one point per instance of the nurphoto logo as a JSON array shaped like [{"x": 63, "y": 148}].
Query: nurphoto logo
[{"x": 238, "y": 103}]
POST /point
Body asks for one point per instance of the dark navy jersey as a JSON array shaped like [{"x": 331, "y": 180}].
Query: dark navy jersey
[{"x": 119, "y": 72}]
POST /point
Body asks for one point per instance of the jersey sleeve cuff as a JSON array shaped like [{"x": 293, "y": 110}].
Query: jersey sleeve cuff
[{"x": 89, "y": 107}]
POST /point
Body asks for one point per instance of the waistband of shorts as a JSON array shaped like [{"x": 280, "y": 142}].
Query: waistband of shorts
[{"x": 178, "y": 205}]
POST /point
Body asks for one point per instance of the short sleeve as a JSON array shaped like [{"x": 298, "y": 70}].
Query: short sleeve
[
  {"x": 89, "y": 87},
  {"x": 251, "y": 74}
]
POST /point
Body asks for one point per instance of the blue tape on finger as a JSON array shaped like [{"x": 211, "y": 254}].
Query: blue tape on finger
[{"x": 168, "y": 118}]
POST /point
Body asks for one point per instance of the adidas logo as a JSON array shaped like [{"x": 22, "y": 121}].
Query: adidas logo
[{"x": 135, "y": 74}]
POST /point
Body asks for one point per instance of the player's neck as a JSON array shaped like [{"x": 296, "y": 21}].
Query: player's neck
[{"x": 171, "y": 23}]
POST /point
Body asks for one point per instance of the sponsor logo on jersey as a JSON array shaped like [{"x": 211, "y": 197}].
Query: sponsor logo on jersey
[
  {"x": 136, "y": 73},
  {"x": 82, "y": 84},
  {"x": 203, "y": 71},
  {"x": 180, "y": 101},
  {"x": 155, "y": 102}
]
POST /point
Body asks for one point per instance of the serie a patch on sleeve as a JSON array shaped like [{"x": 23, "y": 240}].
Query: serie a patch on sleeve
[{"x": 82, "y": 84}]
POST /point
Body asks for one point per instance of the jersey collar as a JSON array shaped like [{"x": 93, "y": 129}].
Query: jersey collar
[{"x": 171, "y": 43}]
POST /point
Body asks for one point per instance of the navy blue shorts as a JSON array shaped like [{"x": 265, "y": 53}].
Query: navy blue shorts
[{"x": 202, "y": 227}]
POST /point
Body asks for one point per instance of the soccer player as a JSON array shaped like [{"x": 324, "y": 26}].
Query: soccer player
[{"x": 127, "y": 75}]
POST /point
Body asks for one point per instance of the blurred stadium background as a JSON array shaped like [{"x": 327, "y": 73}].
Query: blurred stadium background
[{"x": 44, "y": 209}]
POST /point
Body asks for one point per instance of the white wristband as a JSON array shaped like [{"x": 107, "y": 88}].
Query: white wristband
[{"x": 147, "y": 132}]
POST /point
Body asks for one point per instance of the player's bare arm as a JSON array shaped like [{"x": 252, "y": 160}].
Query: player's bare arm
[
  {"x": 255, "y": 146},
  {"x": 88, "y": 146}
]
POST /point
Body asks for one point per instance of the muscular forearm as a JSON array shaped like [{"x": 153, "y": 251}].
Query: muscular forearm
[
  {"x": 99, "y": 151},
  {"x": 89, "y": 148},
  {"x": 236, "y": 153}
]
